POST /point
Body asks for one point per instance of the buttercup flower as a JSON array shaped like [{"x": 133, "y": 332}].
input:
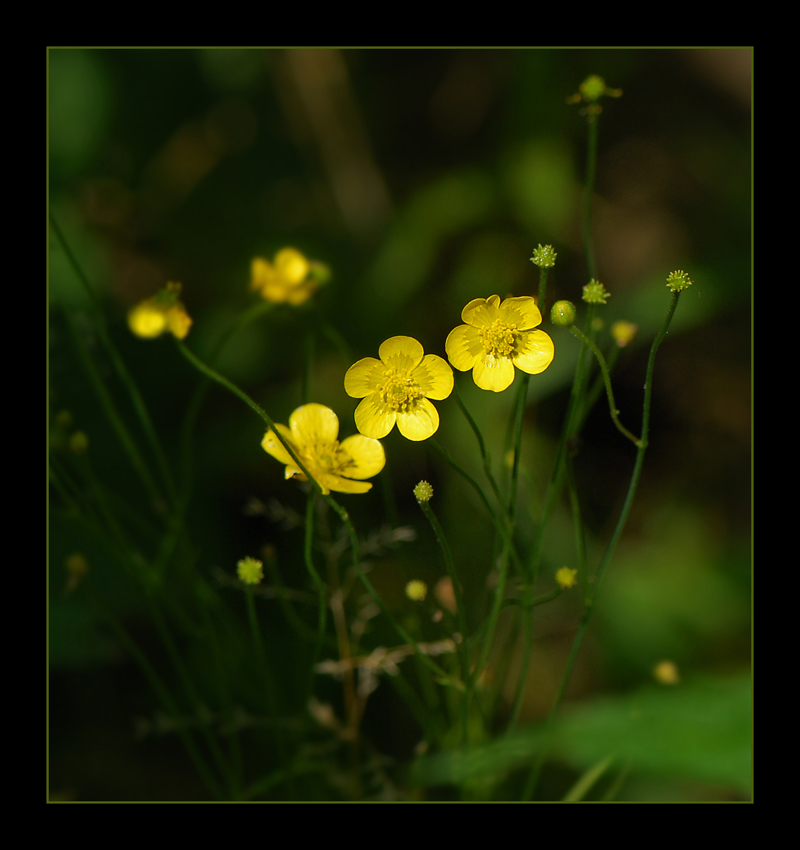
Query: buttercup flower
[
  {"x": 163, "y": 313},
  {"x": 397, "y": 389},
  {"x": 496, "y": 338},
  {"x": 291, "y": 277},
  {"x": 312, "y": 433}
]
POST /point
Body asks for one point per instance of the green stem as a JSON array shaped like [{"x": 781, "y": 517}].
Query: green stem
[
  {"x": 340, "y": 511},
  {"x": 576, "y": 332},
  {"x": 487, "y": 463},
  {"x": 609, "y": 552},
  {"x": 591, "y": 169},
  {"x": 119, "y": 365},
  {"x": 451, "y": 571}
]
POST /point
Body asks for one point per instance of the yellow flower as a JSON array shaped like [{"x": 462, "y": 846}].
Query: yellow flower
[
  {"x": 496, "y": 338},
  {"x": 291, "y": 277},
  {"x": 163, "y": 313},
  {"x": 397, "y": 389},
  {"x": 312, "y": 433}
]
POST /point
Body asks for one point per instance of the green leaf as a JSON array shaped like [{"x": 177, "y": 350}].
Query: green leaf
[{"x": 700, "y": 730}]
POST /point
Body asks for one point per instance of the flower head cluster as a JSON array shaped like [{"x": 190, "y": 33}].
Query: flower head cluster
[
  {"x": 595, "y": 293},
  {"x": 498, "y": 337},
  {"x": 289, "y": 278},
  {"x": 312, "y": 434},
  {"x": 423, "y": 491},
  {"x": 249, "y": 570},
  {"x": 163, "y": 313},
  {"x": 678, "y": 280},
  {"x": 397, "y": 389},
  {"x": 544, "y": 256}
]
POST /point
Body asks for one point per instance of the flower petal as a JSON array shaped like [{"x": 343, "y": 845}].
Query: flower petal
[
  {"x": 272, "y": 445},
  {"x": 493, "y": 373},
  {"x": 434, "y": 376},
  {"x": 329, "y": 481},
  {"x": 291, "y": 265},
  {"x": 313, "y": 423},
  {"x": 535, "y": 351},
  {"x": 481, "y": 312},
  {"x": 260, "y": 272},
  {"x": 401, "y": 352},
  {"x": 366, "y": 454},
  {"x": 373, "y": 418},
  {"x": 463, "y": 346},
  {"x": 364, "y": 377},
  {"x": 521, "y": 312},
  {"x": 420, "y": 423}
]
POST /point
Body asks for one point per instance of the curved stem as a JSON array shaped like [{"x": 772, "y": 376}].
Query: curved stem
[
  {"x": 576, "y": 332},
  {"x": 609, "y": 552}
]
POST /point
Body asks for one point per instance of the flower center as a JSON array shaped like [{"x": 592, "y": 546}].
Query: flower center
[
  {"x": 326, "y": 457},
  {"x": 499, "y": 339},
  {"x": 399, "y": 391}
]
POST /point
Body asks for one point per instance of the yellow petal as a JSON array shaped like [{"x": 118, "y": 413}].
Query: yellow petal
[
  {"x": 420, "y": 423},
  {"x": 364, "y": 377},
  {"x": 313, "y": 423},
  {"x": 366, "y": 454},
  {"x": 291, "y": 265},
  {"x": 373, "y": 418},
  {"x": 463, "y": 346},
  {"x": 535, "y": 351},
  {"x": 273, "y": 446},
  {"x": 493, "y": 373},
  {"x": 401, "y": 352},
  {"x": 481, "y": 312},
  {"x": 342, "y": 485},
  {"x": 434, "y": 376},
  {"x": 521, "y": 311},
  {"x": 260, "y": 271},
  {"x": 178, "y": 321},
  {"x": 147, "y": 320}
]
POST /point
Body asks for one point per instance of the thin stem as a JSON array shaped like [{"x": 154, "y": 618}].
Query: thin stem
[
  {"x": 119, "y": 365},
  {"x": 576, "y": 332},
  {"x": 591, "y": 168},
  {"x": 487, "y": 463},
  {"x": 609, "y": 552},
  {"x": 340, "y": 511},
  {"x": 451, "y": 571}
]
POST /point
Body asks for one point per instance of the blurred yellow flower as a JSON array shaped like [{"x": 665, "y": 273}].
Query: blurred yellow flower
[
  {"x": 397, "y": 389},
  {"x": 290, "y": 277},
  {"x": 163, "y": 313},
  {"x": 416, "y": 590},
  {"x": 312, "y": 434},
  {"x": 566, "y": 578},
  {"x": 496, "y": 338}
]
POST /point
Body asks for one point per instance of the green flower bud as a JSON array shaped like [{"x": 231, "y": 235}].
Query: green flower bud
[
  {"x": 423, "y": 491},
  {"x": 544, "y": 256},
  {"x": 595, "y": 293},
  {"x": 250, "y": 571},
  {"x": 678, "y": 280},
  {"x": 563, "y": 314}
]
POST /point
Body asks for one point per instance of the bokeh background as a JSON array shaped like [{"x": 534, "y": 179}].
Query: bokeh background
[{"x": 423, "y": 178}]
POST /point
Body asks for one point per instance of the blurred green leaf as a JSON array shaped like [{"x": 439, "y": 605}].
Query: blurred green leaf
[{"x": 699, "y": 731}]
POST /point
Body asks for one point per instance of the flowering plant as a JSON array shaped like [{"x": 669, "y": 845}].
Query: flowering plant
[{"x": 357, "y": 572}]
